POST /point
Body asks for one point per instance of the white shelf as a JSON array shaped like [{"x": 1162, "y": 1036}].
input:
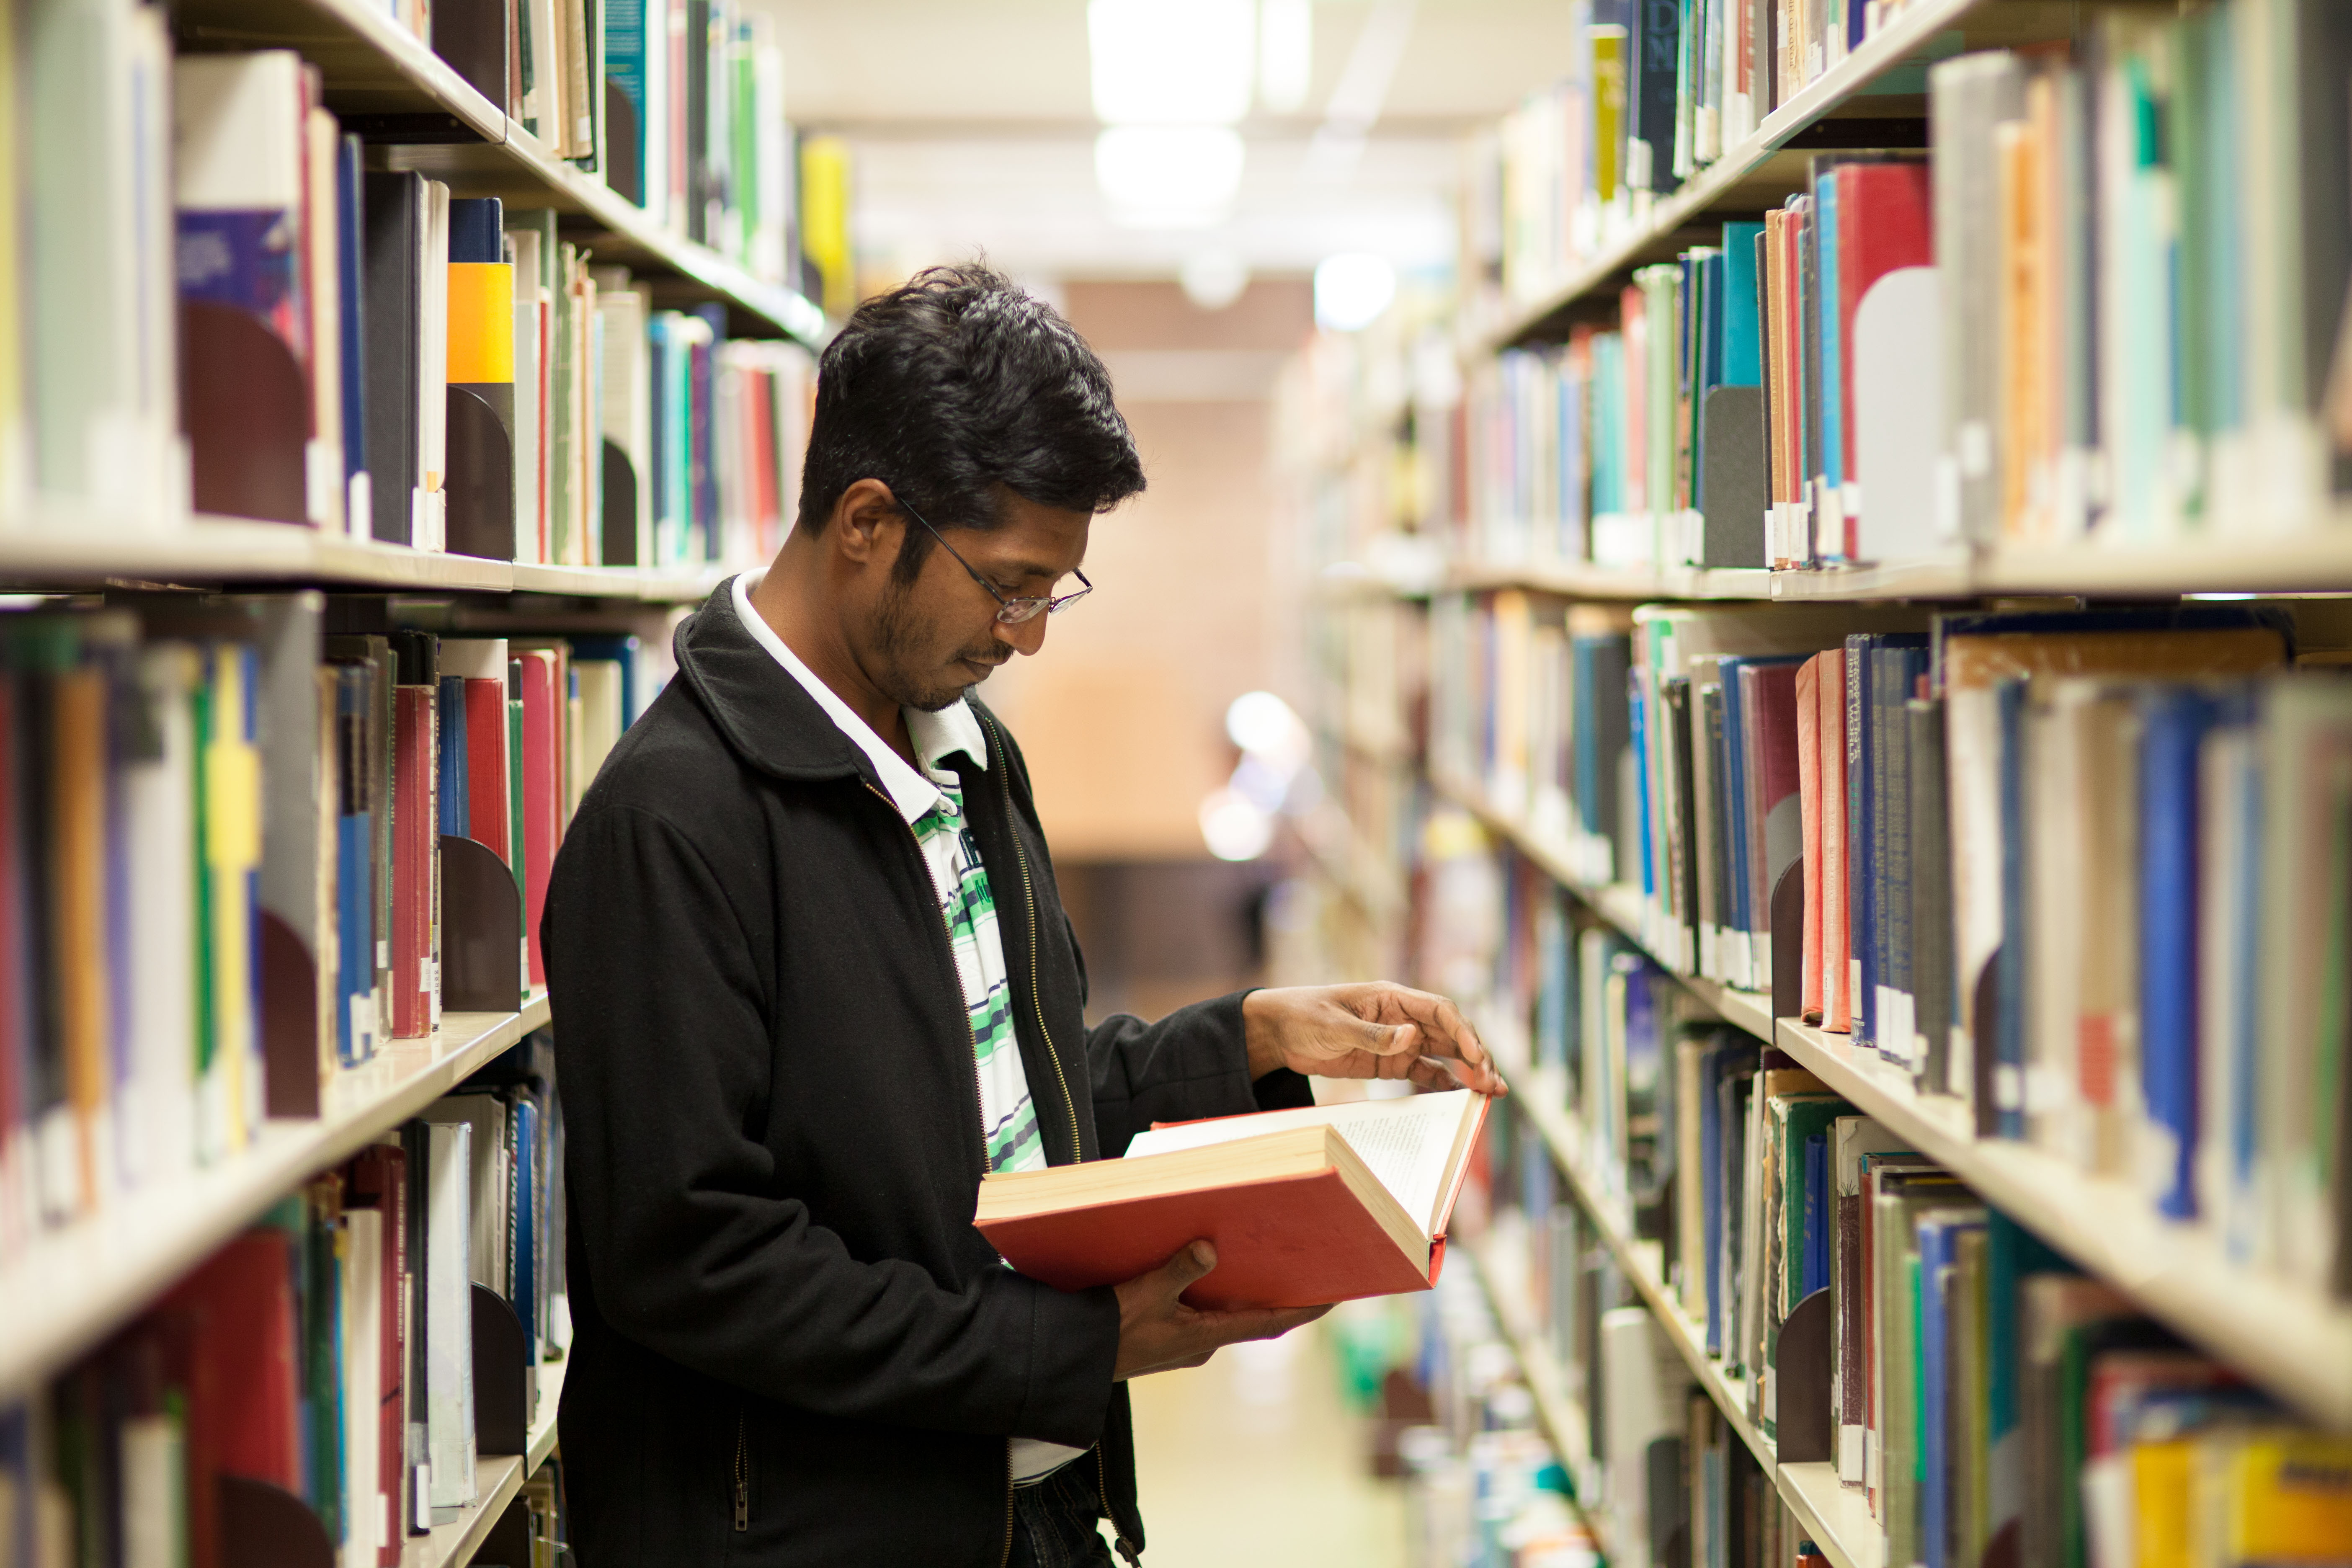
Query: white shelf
[
  {"x": 2315, "y": 556},
  {"x": 2286, "y": 1338},
  {"x": 1562, "y": 1418},
  {"x": 68, "y": 1288},
  {"x": 45, "y": 547},
  {"x": 497, "y": 1479},
  {"x": 1838, "y": 1520}
]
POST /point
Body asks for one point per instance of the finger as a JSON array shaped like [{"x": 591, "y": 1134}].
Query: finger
[
  {"x": 1191, "y": 1262},
  {"x": 1449, "y": 1033}
]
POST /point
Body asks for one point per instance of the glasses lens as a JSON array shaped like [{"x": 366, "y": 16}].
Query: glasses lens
[{"x": 1013, "y": 612}]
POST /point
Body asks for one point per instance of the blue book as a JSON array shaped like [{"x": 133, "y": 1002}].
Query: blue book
[
  {"x": 1742, "y": 355},
  {"x": 457, "y": 820},
  {"x": 2009, "y": 963},
  {"x": 1824, "y": 237},
  {"x": 1939, "y": 1233},
  {"x": 625, "y": 80},
  {"x": 355, "y": 857},
  {"x": 2174, "y": 721},
  {"x": 352, "y": 259},
  {"x": 1818, "y": 1201},
  {"x": 477, "y": 230},
  {"x": 1901, "y": 662},
  {"x": 522, "y": 1225},
  {"x": 1861, "y": 884}
]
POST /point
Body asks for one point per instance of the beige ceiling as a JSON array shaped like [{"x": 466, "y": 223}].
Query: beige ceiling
[{"x": 973, "y": 131}]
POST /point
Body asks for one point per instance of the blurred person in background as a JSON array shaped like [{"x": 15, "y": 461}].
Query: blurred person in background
[{"x": 811, "y": 979}]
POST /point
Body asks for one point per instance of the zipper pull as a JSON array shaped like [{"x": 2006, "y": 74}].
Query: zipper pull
[
  {"x": 1128, "y": 1550},
  {"x": 742, "y": 1506}
]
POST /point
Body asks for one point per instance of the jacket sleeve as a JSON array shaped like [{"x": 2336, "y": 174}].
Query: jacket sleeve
[
  {"x": 1191, "y": 1064},
  {"x": 665, "y": 1057}
]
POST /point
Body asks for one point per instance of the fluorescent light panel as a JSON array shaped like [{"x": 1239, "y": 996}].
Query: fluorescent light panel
[{"x": 1172, "y": 62}]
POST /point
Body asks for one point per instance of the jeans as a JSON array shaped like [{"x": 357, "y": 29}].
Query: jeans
[{"x": 1054, "y": 1521}]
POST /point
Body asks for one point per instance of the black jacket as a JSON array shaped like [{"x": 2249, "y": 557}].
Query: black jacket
[{"x": 791, "y": 1348}]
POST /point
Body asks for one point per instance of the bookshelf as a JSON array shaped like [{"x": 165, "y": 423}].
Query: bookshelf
[
  {"x": 1563, "y": 1420},
  {"x": 375, "y": 67},
  {"x": 497, "y": 1478},
  {"x": 1766, "y": 164},
  {"x": 2295, "y": 1344},
  {"x": 71, "y": 1285}
]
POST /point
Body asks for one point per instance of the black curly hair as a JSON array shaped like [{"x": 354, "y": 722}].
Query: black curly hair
[{"x": 953, "y": 387}]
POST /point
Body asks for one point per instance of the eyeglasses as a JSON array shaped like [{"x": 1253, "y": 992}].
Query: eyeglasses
[{"x": 1011, "y": 612}]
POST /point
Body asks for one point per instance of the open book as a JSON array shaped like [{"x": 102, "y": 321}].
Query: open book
[{"x": 1323, "y": 1203}]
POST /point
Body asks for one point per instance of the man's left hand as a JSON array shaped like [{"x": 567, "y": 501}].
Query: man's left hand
[{"x": 1372, "y": 1030}]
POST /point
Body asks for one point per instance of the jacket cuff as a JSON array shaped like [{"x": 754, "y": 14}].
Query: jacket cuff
[{"x": 1073, "y": 1350}]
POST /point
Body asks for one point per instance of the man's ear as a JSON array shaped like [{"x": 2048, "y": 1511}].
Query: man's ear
[{"x": 866, "y": 523}]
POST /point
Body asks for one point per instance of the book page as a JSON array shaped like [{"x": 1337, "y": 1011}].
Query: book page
[{"x": 1409, "y": 1144}]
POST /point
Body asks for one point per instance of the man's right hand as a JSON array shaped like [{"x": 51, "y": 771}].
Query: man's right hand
[{"x": 1157, "y": 1332}]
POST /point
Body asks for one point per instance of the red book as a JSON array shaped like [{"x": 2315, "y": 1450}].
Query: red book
[
  {"x": 416, "y": 828},
  {"x": 244, "y": 1417},
  {"x": 378, "y": 1178},
  {"x": 485, "y": 763},
  {"x": 542, "y": 791},
  {"x": 1885, "y": 220},
  {"x": 1308, "y": 1206}
]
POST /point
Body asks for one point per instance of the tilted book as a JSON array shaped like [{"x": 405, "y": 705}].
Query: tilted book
[{"x": 1308, "y": 1206}]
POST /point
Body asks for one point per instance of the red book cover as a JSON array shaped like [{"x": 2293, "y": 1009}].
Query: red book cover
[
  {"x": 241, "y": 1302},
  {"x": 378, "y": 1178},
  {"x": 543, "y": 787},
  {"x": 485, "y": 763},
  {"x": 1780, "y": 806},
  {"x": 1885, "y": 220},
  {"x": 1286, "y": 1241},
  {"x": 415, "y": 840}
]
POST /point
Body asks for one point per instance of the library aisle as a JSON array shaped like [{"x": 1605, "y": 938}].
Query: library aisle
[
  {"x": 1257, "y": 1461},
  {"x": 1792, "y": 560}
]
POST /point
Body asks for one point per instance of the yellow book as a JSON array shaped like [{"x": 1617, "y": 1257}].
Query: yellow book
[
  {"x": 230, "y": 1096},
  {"x": 2162, "y": 1474},
  {"x": 2286, "y": 1499}
]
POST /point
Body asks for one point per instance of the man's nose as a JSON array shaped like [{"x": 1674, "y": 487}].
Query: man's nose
[{"x": 1027, "y": 637}]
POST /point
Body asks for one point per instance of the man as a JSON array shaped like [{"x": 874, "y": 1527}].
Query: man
[{"x": 810, "y": 979}]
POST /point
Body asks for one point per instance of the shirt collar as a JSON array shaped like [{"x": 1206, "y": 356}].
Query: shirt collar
[{"x": 936, "y": 736}]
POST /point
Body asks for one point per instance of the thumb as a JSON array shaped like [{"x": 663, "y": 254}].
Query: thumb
[
  {"x": 1391, "y": 1039},
  {"x": 1191, "y": 1263}
]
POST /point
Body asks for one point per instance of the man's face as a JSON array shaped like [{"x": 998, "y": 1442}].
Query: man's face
[{"x": 934, "y": 638}]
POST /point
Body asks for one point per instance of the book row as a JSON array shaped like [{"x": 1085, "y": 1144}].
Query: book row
[
  {"x": 2071, "y": 869},
  {"x": 356, "y": 1350},
  {"x": 1654, "y": 95},
  {"x": 240, "y": 853},
  {"x": 2106, "y": 306},
  {"x": 1864, "y": 1310},
  {"x": 356, "y": 350}
]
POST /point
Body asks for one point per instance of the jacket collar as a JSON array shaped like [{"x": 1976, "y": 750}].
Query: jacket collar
[{"x": 767, "y": 718}]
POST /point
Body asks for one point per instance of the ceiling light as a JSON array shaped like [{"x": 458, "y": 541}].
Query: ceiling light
[
  {"x": 1214, "y": 279},
  {"x": 1169, "y": 177},
  {"x": 1172, "y": 62},
  {"x": 1286, "y": 54},
  {"x": 1351, "y": 289}
]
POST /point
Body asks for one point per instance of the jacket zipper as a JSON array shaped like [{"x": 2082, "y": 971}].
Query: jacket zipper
[
  {"x": 1003, "y": 768},
  {"x": 742, "y": 1474},
  {"x": 1102, "y": 1490},
  {"x": 980, "y": 1113}
]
